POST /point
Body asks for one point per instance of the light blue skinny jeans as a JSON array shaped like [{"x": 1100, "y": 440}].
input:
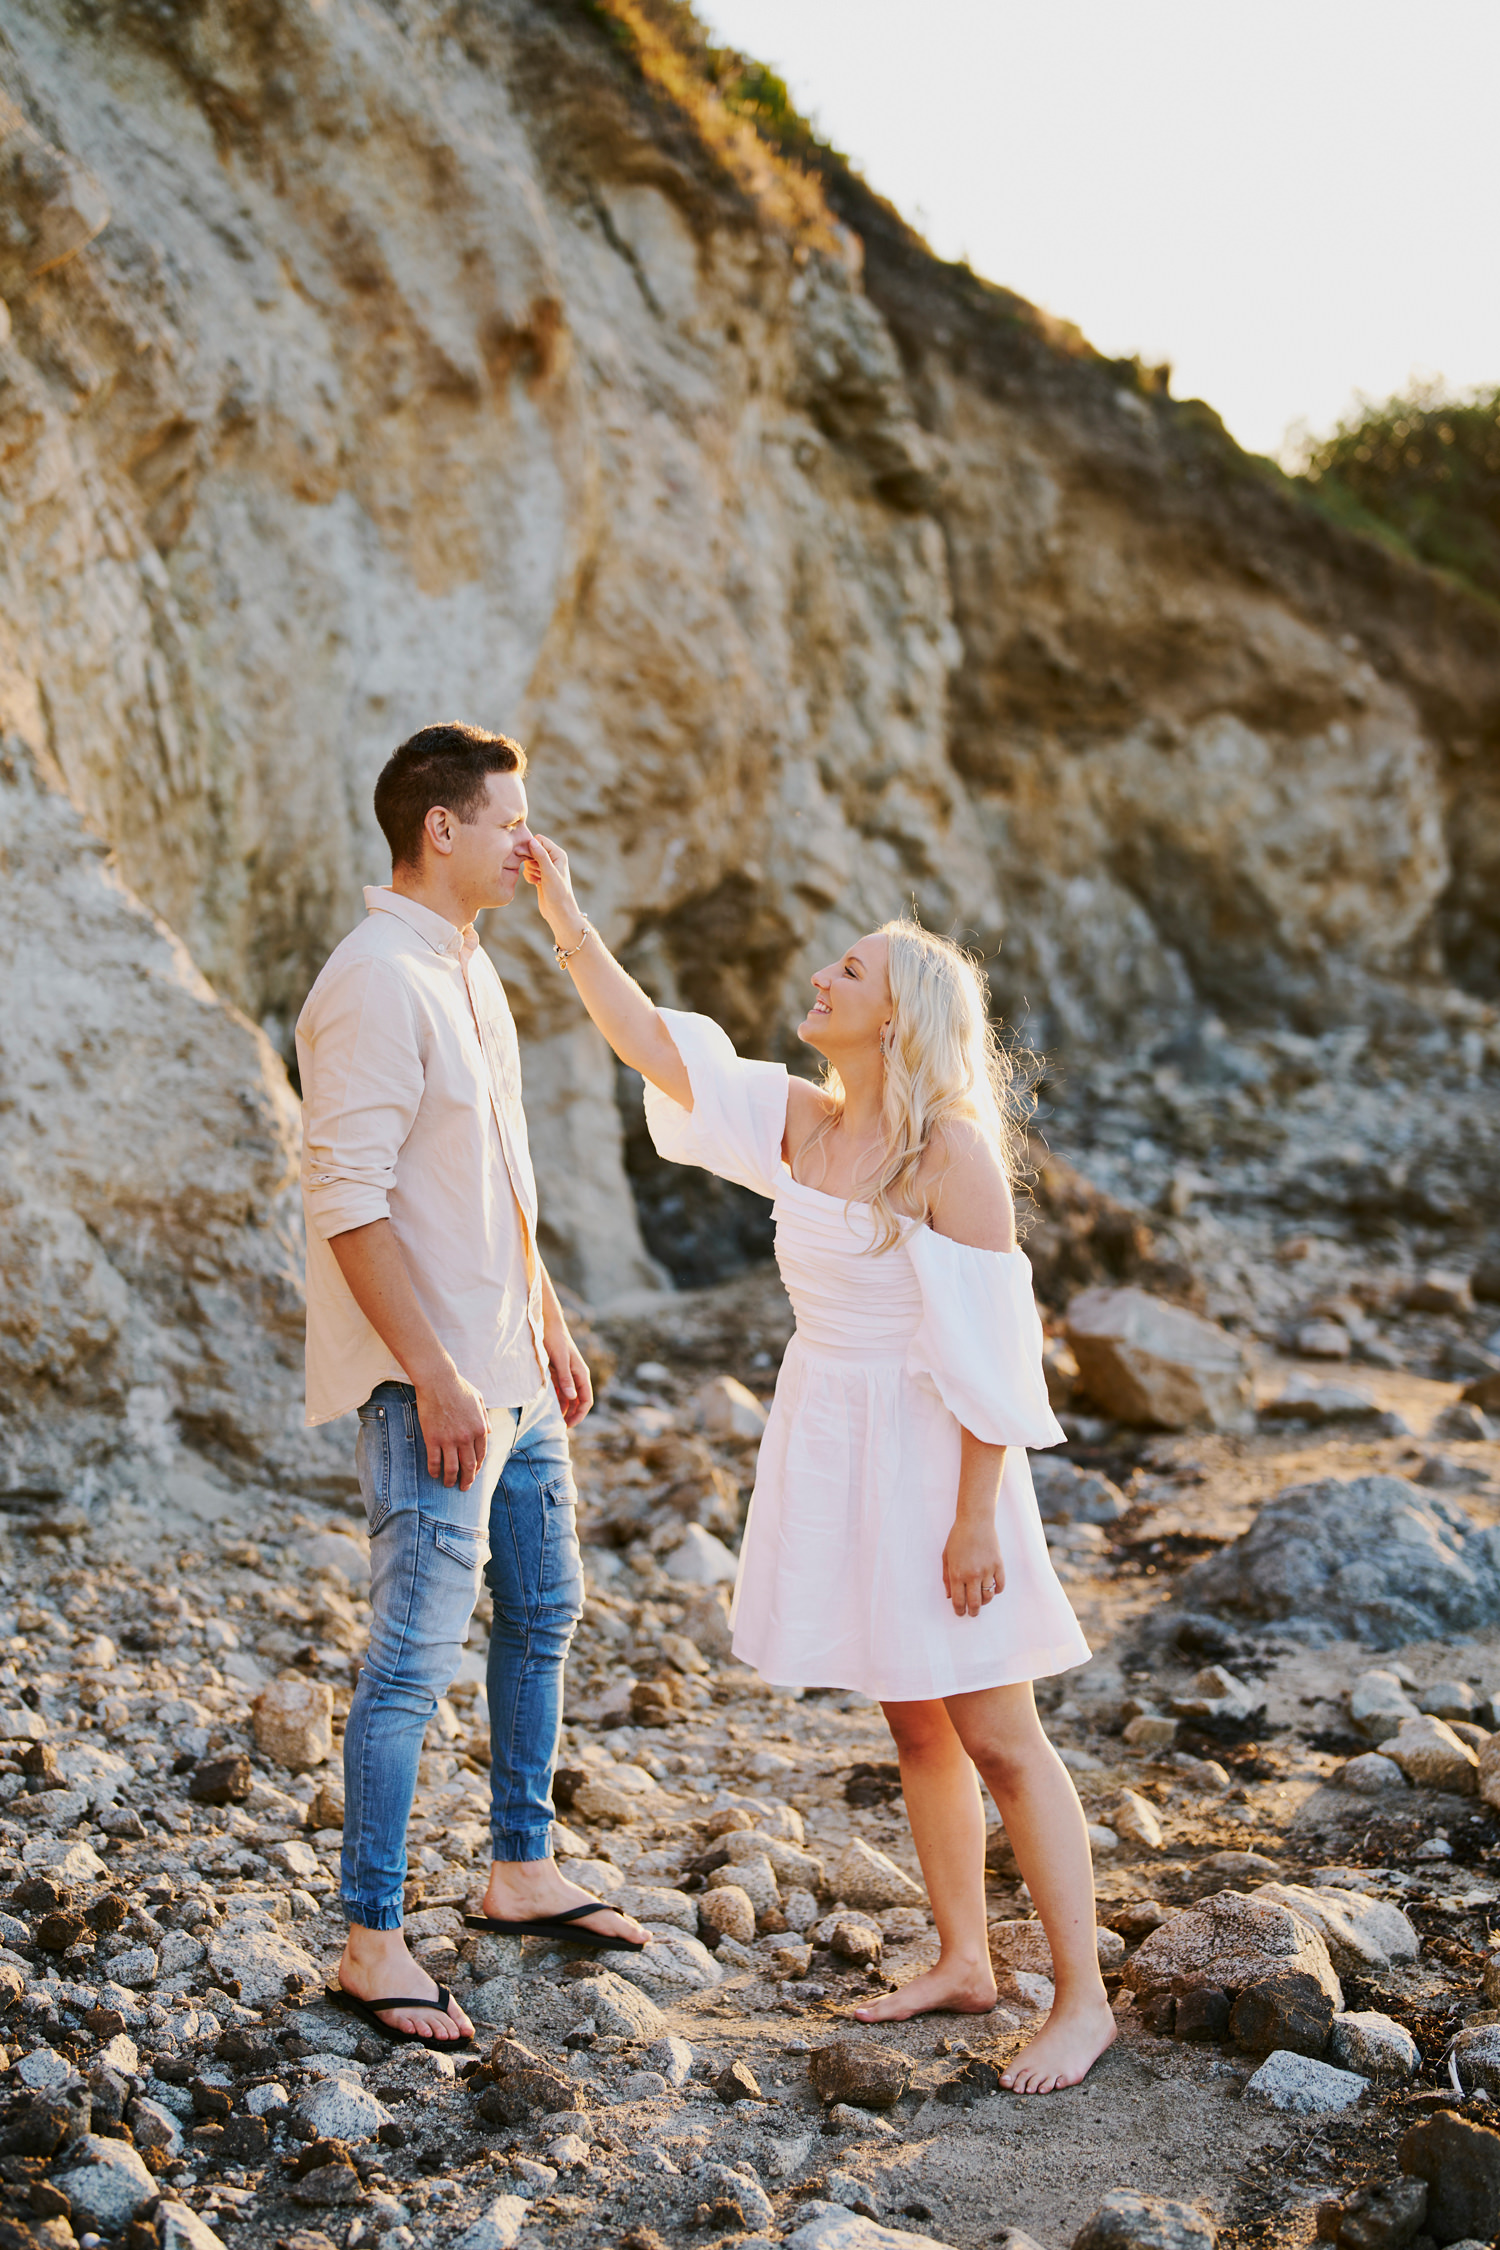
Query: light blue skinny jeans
[{"x": 426, "y": 1543}]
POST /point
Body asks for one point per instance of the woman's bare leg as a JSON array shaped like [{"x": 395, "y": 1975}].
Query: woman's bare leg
[
  {"x": 1001, "y": 1732},
  {"x": 947, "y": 1824}
]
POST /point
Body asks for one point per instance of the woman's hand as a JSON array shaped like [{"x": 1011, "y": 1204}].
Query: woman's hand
[
  {"x": 973, "y": 1572},
  {"x": 546, "y": 870}
]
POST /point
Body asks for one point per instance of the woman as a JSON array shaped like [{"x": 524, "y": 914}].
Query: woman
[{"x": 894, "y": 1543}]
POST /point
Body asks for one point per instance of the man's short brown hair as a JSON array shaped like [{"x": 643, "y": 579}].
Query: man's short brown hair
[{"x": 445, "y": 765}]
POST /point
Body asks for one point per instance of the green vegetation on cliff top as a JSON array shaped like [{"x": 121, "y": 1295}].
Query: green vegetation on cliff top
[
  {"x": 1423, "y": 472},
  {"x": 1420, "y": 475}
]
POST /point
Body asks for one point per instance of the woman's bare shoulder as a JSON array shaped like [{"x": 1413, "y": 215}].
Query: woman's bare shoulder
[
  {"x": 969, "y": 1198},
  {"x": 807, "y": 1106}
]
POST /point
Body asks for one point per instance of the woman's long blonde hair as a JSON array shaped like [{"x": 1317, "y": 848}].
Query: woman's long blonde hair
[{"x": 943, "y": 1061}]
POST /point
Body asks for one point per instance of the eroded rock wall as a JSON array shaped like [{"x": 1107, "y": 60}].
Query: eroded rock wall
[
  {"x": 363, "y": 410},
  {"x": 150, "y": 1227}
]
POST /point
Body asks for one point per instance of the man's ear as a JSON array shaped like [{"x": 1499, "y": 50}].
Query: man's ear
[{"x": 438, "y": 827}]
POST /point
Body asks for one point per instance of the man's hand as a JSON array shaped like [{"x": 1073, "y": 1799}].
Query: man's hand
[
  {"x": 455, "y": 1426},
  {"x": 972, "y": 1570},
  {"x": 570, "y": 1375}
]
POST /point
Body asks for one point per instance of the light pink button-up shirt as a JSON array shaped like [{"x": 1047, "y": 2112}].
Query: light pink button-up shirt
[{"x": 411, "y": 1111}]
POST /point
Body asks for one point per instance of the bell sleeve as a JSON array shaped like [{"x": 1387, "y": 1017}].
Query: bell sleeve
[
  {"x": 738, "y": 1118},
  {"x": 979, "y": 1342}
]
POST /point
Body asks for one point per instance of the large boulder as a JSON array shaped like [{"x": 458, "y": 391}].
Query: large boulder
[
  {"x": 673, "y": 1964},
  {"x": 264, "y": 1962},
  {"x": 1128, "y": 2221},
  {"x": 1023, "y": 1945},
  {"x": 1374, "y": 2046},
  {"x": 1432, "y": 1756},
  {"x": 829, "y": 2226},
  {"x": 107, "y": 2183},
  {"x": 1302, "y": 2086},
  {"x": 1068, "y": 1494},
  {"x": 866, "y": 1878},
  {"x": 1460, "y": 2161},
  {"x": 864, "y": 2072},
  {"x": 1374, "y": 1559},
  {"x": 1287, "y": 2013},
  {"x": 338, "y": 2110},
  {"x": 1230, "y": 1941},
  {"x": 1378, "y": 1703},
  {"x": 1360, "y": 1933},
  {"x": 498, "y": 2226},
  {"x": 789, "y": 1863},
  {"x": 699, "y": 1559},
  {"x": 1156, "y": 1365},
  {"x": 1476, "y": 2057},
  {"x": 1370, "y": 1775},
  {"x": 619, "y": 2010},
  {"x": 1489, "y": 1771},
  {"x": 294, "y": 1723}
]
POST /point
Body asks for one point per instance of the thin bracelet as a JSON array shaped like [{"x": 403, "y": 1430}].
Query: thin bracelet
[{"x": 562, "y": 958}]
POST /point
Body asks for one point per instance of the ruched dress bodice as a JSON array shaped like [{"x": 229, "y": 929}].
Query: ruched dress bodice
[
  {"x": 824, "y": 1253},
  {"x": 896, "y": 1352}
]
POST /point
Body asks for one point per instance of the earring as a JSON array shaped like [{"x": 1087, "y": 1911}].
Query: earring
[{"x": 885, "y": 1039}]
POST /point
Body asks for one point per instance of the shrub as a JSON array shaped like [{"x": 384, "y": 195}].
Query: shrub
[{"x": 1426, "y": 468}]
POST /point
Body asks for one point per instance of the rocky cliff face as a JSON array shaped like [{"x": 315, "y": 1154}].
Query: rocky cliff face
[
  {"x": 366, "y": 364},
  {"x": 150, "y": 1230}
]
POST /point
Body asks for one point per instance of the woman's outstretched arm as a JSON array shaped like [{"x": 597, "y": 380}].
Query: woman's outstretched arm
[{"x": 629, "y": 1021}]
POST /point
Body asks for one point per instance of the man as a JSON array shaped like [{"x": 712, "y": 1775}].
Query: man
[{"x": 430, "y": 1311}]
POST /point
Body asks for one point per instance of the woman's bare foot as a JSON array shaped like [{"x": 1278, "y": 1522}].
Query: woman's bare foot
[
  {"x": 375, "y": 1963},
  {"x": 526, "y": 1890},
  {"x": 1065, "y": 2050},
  {"x": 965, "y": 1988}
]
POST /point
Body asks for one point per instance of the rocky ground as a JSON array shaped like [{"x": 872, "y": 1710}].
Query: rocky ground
[{"x": 1296, "y": 1621}]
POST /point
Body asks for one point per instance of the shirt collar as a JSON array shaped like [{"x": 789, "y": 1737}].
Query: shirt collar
[{"x": 436, "y": 929}]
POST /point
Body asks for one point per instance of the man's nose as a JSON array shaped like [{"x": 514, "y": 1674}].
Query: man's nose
[{"x": 522, "y": 837}]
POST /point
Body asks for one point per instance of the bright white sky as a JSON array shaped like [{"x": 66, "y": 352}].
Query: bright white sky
[{"x": 1291, "y": 200}]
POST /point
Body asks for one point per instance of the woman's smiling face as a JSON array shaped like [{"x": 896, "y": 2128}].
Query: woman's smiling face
[{"x": 853, "y": 1001}]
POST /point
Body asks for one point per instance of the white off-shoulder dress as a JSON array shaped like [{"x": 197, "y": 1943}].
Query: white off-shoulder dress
[{"x": 840, "y": 1580}]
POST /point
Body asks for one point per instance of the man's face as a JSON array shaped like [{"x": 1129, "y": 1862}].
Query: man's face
[{"x": 489, "y": 849}]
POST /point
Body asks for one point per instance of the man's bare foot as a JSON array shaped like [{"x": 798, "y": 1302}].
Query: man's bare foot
[
  {"x": 524, "y": 1890},
  {"x": 375, "y": 1963},
  {"x": 1065, "y": 2050},
  {"x": 965, "y": 1988}
]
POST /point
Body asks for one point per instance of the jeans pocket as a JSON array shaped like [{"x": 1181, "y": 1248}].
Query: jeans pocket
[
  {"x": 372, "y": 1462},
  {"x": 459, "y": 1543},
  {"x": 562, "y": 1562}
]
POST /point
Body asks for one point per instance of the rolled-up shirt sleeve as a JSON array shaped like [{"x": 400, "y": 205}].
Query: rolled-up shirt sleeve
[{"x": 362, "y": 1081}]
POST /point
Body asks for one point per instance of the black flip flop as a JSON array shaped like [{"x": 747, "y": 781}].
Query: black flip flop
[
  {"x": 559, "y": 1926},
  {"x": 370, "y": 2010}
]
